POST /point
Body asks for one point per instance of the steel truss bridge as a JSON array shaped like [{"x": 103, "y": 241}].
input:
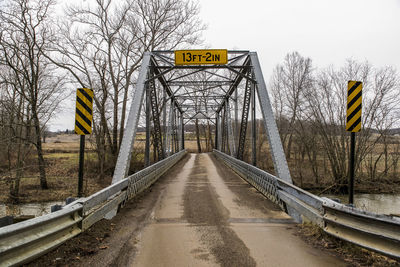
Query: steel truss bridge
[
  {"x": 226, "y": 97},
  {"x": 176, "y": 95}
]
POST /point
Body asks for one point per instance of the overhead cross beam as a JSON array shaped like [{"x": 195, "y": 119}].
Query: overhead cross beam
[{"x": 206, "y": 90}]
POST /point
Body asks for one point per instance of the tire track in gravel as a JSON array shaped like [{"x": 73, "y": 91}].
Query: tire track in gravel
[{"x": 204, "y": 210}]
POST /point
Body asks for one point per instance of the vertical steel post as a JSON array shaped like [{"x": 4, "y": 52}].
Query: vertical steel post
[
  {"x": 176, "y": 131},
  {"x": 173, "y": 127},
  {"x": 254, "y": 125},
  {"x": 157, "y": 131},
  {"x": 245, "y": 118},
  {"x": 351, "y": 165},
  {"x": 169, "y": 128},
  {"x": 223, "y": 130},
  {"x": 165, "y": 120},
  {"x": 220, "y": 131},
  {"x": 235, "y": 132},
  {"x": 171, "y": 122},
  {"x": 171, "y": 137},
  {"x": 216, "y": 131},
  {"x": 81, "y": 165},
  {"x": 231, "y": 138},
  {"x": 183, "y": 133},
  {"x": 179, "y": 139},
  {"x": 147, "y": 145}
]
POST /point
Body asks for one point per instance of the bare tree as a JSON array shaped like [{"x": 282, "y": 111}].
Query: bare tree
[
  {"x": 289, "y": 82},
  {"x": 14, "y": 134},
  {"x": 24, "y": 42},
  {"x": 311, "y": 114},
  {"x": 383, "y": 118},
  {"x": 328, "y": 104},
  {"x": 102, "y": 43}
]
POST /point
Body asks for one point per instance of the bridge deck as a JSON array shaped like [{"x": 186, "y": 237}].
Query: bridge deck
[{"x": 205, "y": 215}]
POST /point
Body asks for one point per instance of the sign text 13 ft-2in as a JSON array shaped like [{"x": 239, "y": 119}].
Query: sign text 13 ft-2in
[{"x": 200, "y": 57}]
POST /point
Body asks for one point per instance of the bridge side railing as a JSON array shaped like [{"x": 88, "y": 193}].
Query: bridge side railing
[
  {"x": 25, "y": 241},
  {"x": 377, "y": 232}
]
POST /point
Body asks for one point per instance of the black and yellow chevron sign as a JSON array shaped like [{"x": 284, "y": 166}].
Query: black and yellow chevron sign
[
  {"x": 84, "y": 111},
  {"x": 354, "y": 106}
]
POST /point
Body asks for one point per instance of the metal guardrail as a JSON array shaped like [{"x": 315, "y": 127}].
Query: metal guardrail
[
  {"x": 377, "y": 232},
  {"x": 380, "y": 233},
  {"x": 261, "y": 180},
  {"x": 25, "y": 241}
]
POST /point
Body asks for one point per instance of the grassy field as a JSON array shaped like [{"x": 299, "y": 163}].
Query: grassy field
[
  {"x": 303, "y": 176},
  {"x": 62, "y": 155}
]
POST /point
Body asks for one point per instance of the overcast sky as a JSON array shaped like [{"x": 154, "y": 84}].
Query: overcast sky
[{"x": 328, "y": 32}]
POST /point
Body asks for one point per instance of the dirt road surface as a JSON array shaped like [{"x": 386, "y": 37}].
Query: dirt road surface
[{"x": 202, "y": 214}]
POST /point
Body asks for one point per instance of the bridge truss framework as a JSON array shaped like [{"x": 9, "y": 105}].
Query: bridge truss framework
[{"x": 174, "y": 96}]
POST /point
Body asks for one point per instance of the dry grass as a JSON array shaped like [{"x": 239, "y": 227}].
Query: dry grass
[
  {"x": 62, "y": 179},
  {"x": 62, "y": 159},
  {"x": 65, "y": 143},
  {"x": 62, "y": 152},
  {"x": 303, "y": 175},
  {"x": 191, "y": 145}
]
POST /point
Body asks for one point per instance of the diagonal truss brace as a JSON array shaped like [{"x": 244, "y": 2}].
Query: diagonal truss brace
[
  {"x": 125, "y": 151},
  {"x": 169, "y": 130},
  {"x": 156, "y": 120},
  {"x": 224, "y": 130},
  {"x": 231, "y": 138},
  {"x": 245, "y": 116},
  {"x": 278, "y": 156}
]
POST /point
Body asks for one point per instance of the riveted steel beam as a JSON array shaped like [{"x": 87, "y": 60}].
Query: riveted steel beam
[
  {"x": 278, "y": 156},
  {"x": 245, "y": 116}
]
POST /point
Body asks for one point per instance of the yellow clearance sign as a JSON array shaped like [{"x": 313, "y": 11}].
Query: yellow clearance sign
[
  {"x": 84, "y": 111},
  {"x": 201, "y": 57},
  {"x": 354, "y": 106}
]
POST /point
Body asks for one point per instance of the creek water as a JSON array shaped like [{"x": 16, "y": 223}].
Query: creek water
[
  {"x": 377, "y": 203},
  {"x": 35, "y": 209}
]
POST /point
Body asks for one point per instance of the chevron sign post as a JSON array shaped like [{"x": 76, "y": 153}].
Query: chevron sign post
[
  {"x": 83, "y": 126},
  {"x": 353, "y": 125}
]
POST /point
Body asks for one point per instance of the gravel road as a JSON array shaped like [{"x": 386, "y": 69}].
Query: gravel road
[{"x": 199, "y": 214}]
